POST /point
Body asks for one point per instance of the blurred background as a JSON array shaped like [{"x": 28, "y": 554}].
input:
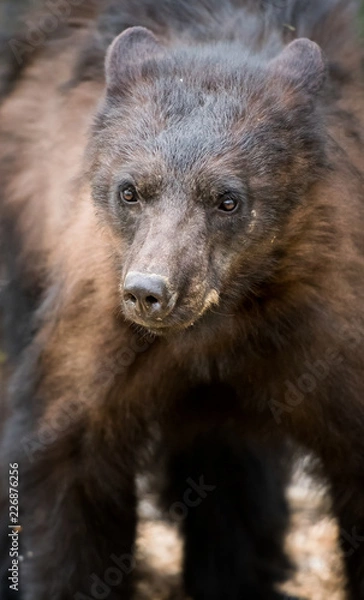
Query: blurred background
[{"x": 12, "y": 13}]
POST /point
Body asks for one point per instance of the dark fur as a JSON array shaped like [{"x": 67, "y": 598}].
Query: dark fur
[{"x": 214, "y": 104}]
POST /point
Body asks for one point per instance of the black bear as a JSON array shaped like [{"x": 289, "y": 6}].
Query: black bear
[{"x": 182, "y": 265}]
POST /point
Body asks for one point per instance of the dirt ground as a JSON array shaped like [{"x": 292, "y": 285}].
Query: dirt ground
[{"x": 311, "y": 542}]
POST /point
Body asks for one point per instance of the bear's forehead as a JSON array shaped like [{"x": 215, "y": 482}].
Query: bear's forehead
[
  {"x": 208, "y": 90},
  {"x": 177, "y": 106},
  {"x": 193, "y": 149},
  {"x": 214, "y": 104},
  {"x": 189, "y": 148}
]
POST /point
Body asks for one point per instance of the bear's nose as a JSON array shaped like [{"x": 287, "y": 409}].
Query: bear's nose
[{"x": 148, "y": 295}]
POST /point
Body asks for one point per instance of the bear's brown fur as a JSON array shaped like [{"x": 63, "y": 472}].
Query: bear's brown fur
[{"x": 265, "y": 337}]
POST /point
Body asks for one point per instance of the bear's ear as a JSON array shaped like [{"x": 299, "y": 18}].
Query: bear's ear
[
  {"x": 301, "y": 65},
  {"x": 127, "y": 52}
]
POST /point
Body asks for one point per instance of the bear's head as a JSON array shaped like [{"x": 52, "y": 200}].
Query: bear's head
[{"x": 199, "y": 157}]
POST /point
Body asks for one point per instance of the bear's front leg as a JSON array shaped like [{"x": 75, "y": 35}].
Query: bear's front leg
[
  {"x": 78, "y": 520},
  {"x": 228, "y": 495},
  {"x": 348, "y": 504}
]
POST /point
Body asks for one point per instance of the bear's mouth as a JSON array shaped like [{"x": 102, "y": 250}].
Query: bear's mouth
[
  {"x": 164, "y": 330},
  {"x": 180, "y": 319}
]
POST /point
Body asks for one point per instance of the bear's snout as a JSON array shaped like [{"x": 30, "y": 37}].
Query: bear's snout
[{"x": 147, "y": 297}]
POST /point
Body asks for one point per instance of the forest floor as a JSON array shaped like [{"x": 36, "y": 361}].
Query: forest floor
[{"x": 311, "y": 544}]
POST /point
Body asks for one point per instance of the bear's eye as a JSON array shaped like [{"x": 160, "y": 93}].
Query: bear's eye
[
  {"x": 128, "y": 194},
  {"x": 228, "y": 204}
]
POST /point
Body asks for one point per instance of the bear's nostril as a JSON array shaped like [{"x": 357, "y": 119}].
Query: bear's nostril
[
  {"x": 130, "y": 298},
  {"x": 151, "y": 300}
]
